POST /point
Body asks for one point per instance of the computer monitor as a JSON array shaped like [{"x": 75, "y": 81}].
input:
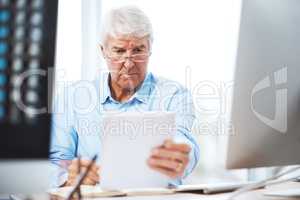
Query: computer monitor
[
  {"x": 27, "y": 50},
  {"x": 266, "y": 93}
]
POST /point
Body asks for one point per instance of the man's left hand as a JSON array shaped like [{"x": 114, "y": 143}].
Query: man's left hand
[{"x": 170, "y": 158}]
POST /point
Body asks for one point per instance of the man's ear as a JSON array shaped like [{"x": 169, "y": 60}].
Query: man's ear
[{"x": 102, "y": 50}]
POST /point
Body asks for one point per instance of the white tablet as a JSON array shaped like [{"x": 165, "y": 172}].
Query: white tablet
[{"x": 127, "y": 141}]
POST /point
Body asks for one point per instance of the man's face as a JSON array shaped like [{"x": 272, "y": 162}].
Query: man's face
[{"x": 127, "y": 60}]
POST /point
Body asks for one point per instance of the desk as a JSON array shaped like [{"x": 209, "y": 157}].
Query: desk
[{"x": 253, "y": 195}]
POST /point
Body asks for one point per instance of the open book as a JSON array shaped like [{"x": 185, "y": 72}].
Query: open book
[{"x": 96, "y": 191}]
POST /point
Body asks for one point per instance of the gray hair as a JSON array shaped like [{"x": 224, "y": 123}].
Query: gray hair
[{"x": 126, "y": 21}]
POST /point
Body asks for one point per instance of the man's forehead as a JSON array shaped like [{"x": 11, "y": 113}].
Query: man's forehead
[{"x": 127, "y": 42}]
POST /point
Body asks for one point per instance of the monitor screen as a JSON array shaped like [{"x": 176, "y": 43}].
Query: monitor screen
[
  {"x": 27, "y": 50},
  {"x": 266, "y": 92}
]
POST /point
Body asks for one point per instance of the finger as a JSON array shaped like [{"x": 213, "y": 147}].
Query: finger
[
  {"x": 88, "y": 181},
  {"x": 94, "y": 176},
  {"x": 72, "y": 175},
  {"x": 184, "y": 148},
  {"x": 70, "y": 182},
  {"x": 170, "y": 155},
  {"x": 91, "y": 178},
  {"x": 164, "y": 171},
  {"x": 92, "y": 171},
  {"x": 83, "y": 163},
  {"x": 176, "y": 166},
  {"x": 168, "y": 164},
  {"x": 86, "y": 163},
  {"x": 71, "y": 179},
  {"x": 73, "y": 171}
]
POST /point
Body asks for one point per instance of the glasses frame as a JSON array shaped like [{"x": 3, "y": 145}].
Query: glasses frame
[{"x": 121, "y": 59}]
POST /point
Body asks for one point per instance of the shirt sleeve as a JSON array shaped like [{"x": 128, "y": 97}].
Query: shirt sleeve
[
  {"x": 64, "y": 139},
  {"x": 182, "y": 104}
]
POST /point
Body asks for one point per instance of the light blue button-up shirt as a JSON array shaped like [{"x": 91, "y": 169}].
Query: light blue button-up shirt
[{"x": 77, "y": 114}]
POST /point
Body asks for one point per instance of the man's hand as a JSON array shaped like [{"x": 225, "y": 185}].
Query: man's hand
[
  {"x": 170, "y": 159},
  {"x": 73, "y": 172}
]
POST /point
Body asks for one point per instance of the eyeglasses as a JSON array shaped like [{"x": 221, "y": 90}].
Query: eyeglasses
[{"x": 142, "y": 57}]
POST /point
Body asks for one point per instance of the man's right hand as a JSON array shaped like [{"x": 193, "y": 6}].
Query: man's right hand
[{"x": 92, "y": 178}]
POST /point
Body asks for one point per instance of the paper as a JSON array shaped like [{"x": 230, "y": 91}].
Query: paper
[
  {"x": 96, "y": 191},
  {"x": 87, "y": 191},
  {"x": 126, "y": 145}
]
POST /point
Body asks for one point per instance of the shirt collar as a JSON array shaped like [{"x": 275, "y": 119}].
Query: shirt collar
[
  {"x": 105, "y": 94},
  {"x": 142, "y": 94}
]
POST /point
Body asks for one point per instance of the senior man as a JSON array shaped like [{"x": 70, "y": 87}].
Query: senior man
[{"x": 126, "y": 46}]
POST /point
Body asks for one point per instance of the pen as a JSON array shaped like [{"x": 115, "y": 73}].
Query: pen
[
  {"x": 81, "y": 178},
  {"x": 79, "y": 172}
]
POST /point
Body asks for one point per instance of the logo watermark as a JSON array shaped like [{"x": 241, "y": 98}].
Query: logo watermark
[
  {"x": 207, "y": 103},
  {"x": 279, "y": 122}
]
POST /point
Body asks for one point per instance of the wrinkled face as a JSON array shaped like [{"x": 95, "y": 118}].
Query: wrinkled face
[{"x": 127, "y": 60}]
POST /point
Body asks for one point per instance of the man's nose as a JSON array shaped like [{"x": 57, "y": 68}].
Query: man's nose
[{"x": 128, "y": 63}]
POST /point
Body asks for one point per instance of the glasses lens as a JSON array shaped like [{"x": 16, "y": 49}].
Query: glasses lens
[
  {"x": 134, "y": 58},
  {"x": 139, "y": 57}
]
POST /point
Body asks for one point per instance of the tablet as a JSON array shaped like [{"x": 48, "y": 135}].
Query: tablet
[{"x": 127, "y": 141}]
